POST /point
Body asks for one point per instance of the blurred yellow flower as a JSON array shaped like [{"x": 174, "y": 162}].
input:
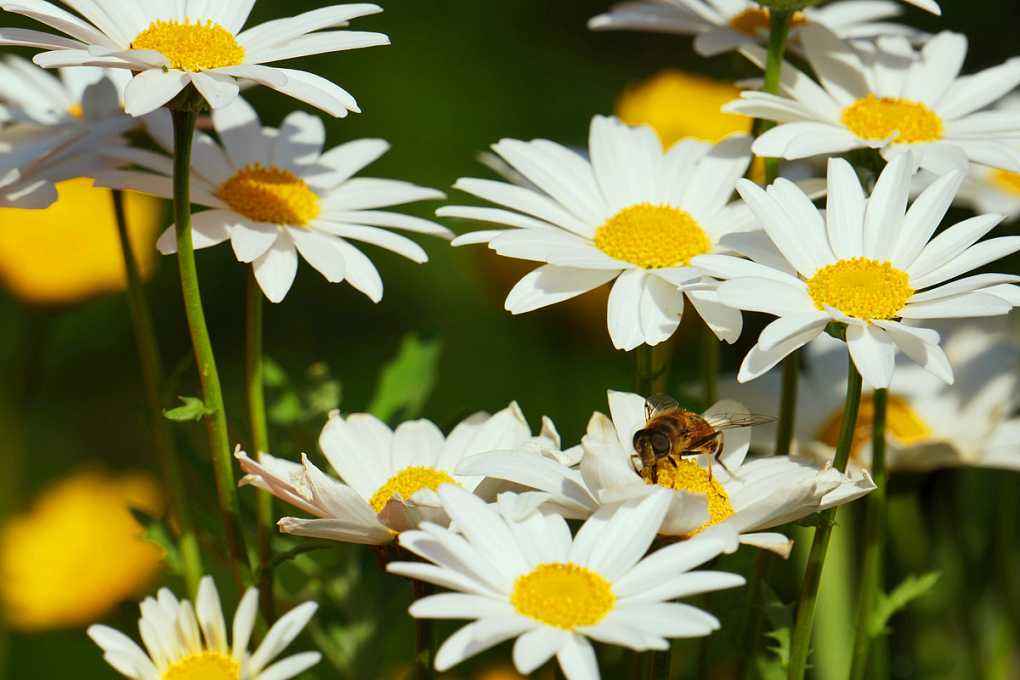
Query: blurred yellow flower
[
  {"x": 679, "y": 105},
  {"x": 77, "y": 552},
  {"x": 71, "y": 251}
]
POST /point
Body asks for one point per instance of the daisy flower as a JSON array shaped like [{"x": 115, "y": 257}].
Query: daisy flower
[
  {"x": 866, "y": 263},
  {"x": 170, "y": 45},
  {"x": 81, "y": 96},
  {"x": 390, "y": 476},
  {"x": 532, "y": 581},
  {"x": 889, "y": 97},
  {"x": 749, "y": 496},
  {"x": 182, "y": 641},
  {"x": 930, "y": 425},
  {"x": 723, "y": 25},
  {"x": 274, "y": 194},
  {"x": 989, "y": 189},
  {"x": 634, "y": 214}
]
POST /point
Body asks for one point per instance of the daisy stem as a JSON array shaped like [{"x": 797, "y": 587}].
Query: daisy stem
[
  {"x": 800, "y": 642},
  {"x": 423, "y": 637},
  {"x": 787, "y": 404},
  {"x": 255, "y": 392},
  {"x": 874, "y": 537},
  {"x": 748, "y": 669},
  {"x": 152, "y": 376},
  {"x": 710, "y": 365},
  {"x": 652, "y": 368},
  {"x": 184, "y": 119}
]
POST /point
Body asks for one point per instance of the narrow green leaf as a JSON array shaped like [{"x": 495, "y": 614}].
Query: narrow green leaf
[
  {"x": 407, "y": 382},
  {"x": 912, "y": 588},
  {"x": 192, "y": 408},
  {"x": 156, "y": 531},
  {"x": 781, "y": 647}
]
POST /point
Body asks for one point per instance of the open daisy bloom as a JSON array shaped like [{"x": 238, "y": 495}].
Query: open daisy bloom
[
  {"x": 748, "y": 495},
  {"x": 633, "y": 213},
  {"x": 171, "y": 45},
  {"x": 184, "y": 642},
  {"x": 886, "y": 96},
  {"x": 275, "y": 194},
  {"x": 990, "y": 189},
  {"x": 81, "y": 96},
  {"x": 930, "y": 425},
  {"x": 532, "y": 581},
  {"x": 390, "y": 476},
  {"x": 724, "y": 25},
  {"x": 866, "y": 263}
]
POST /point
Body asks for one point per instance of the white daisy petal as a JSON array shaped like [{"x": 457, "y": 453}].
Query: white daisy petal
[{"x": 873, "y": 352}]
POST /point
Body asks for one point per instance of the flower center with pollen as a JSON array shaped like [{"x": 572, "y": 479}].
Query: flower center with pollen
[
  {"x": 903, "y": 424},
  {"x": 203, "y": 666},
  {"x": 408, "y": 482},
  {"x": 653, "y": 236},
  {"x": 191, "y": 46},
  {"x": 563, "y": 595},
  {"x": 754, "y": 21},
  {"x": 862, "y": 288},
  {"x": 1007, "y": 181},
  {"x": 687, "y": 475},
  {"x": 884, "y": 117},
  {"x": 270, "y": 194}
]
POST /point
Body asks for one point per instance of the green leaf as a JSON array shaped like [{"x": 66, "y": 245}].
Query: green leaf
[
  {"x": 781, "y": 647},
  {"x": 407, "y": 382},
  {"x": 912, "y": 588},
  {"x": 193, "y": 408},
  {"x": 306, "y": 400},
  {"x": 156, "y": 531}
]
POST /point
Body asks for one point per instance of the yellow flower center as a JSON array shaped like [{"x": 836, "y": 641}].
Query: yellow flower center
[
  {"x": 883, "y": 117},
  {"x": 653, "y": 236},
  {"x": 903, "y": 424},
  {"x": 272, "y": 195},
  {"x": 76, "y": 111},
  {"x": 204, "y": 666},
  {"x": 408, "y": 482},
  {"x": 754, "y": 21},
  {"x": 862, "y": 288},
  {"x": 191, "y": 46},
  {"x": 563, "y": 595},
  {"x": 687, "y": 475},
  {"x": 1007, "y": 181}
]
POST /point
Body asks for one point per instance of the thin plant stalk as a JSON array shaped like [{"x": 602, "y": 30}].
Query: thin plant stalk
[
  {"x": 424, "y": 655},
  {"x": 800, "y": 642},
  {"x": 747, "y": 669},
  {"x": 710, "y": 365},
  {"x": 254, "y": 374},
  {"x": 651, "y": 374},
  {"x": 874, "y": 539},
  {"x": 152, "y": 377},
  {"x": 184, "y": 121}
]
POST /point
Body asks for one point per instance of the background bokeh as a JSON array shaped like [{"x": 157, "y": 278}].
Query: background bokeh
[{"x": 460, "y": 75}]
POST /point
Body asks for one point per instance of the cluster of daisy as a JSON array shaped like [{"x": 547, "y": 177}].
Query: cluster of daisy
[{"x": 549, "y": 546}]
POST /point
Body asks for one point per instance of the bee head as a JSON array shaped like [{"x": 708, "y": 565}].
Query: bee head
[{"x": 653, "y": 441}]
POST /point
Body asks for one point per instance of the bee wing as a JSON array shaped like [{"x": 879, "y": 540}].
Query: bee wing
[
  {"x": 659, "y": 403},
  {"x": 733, "y": 421}
]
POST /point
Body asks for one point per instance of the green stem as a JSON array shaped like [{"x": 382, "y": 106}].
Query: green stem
[
  {"x": 779, "y": 31},
  {"x": 801, "y": 640},
  {"x": 747, "y": 669},
  {"x": 874, "y": 525},
  {"x": 424, "y": 654},
  {"x": 710, "y": 365},
  {"x": 788, "y": 404},
  {"x": 652, "y": 368},
  {"x": 216, "y": 421},
  {"x": 152, "y": 377},
  {"x": 255, "y": 390}
]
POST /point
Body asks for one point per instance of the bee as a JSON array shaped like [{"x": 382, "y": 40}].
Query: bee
[{"x": 672, "y": 433}]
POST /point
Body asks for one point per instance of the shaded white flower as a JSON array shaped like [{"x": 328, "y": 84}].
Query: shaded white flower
[
  {"x": 930, "y": 425},
  {"x": 81, "y": 96},
  {"x": 389, "y": 476},
  {"x": 868, "y": 263},
  {"x": 723, "y": 25},
  {"x": 632, "y": 213},
  {"x": 170, "y": 45},
  {"x": 274, "y": 194},
  {"x": 532, "y": 581},
  {"x": 888, "y": 96},
  {"x": 994, "y": 190},
  {"x": 748, "y": 495},
  {"x": 182, "y": 641}
]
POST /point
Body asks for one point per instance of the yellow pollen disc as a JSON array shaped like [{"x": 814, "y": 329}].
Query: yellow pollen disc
[
  {"x": 408, "y": 482},
  {"x": 755, "y": 20},
  {"x": 563, "y": 595},
  {"x": 272, "y": 195},
  {"x": 191, "y": 46},
  {"x": 1006, "y": 181},
  {"x": 687, "y": 475},
  {"x": 861, "y": 288},
  {"x": 76, "y": 111},
  {"x": 883, "y": 117},
  {"x": 903, "y": 424},
  {"x": 653, "y": 236},
  {"x": 204, "y": 666}
]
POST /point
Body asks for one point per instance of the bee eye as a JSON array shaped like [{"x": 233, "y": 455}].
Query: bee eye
[{"x": 660, "y": 443}]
